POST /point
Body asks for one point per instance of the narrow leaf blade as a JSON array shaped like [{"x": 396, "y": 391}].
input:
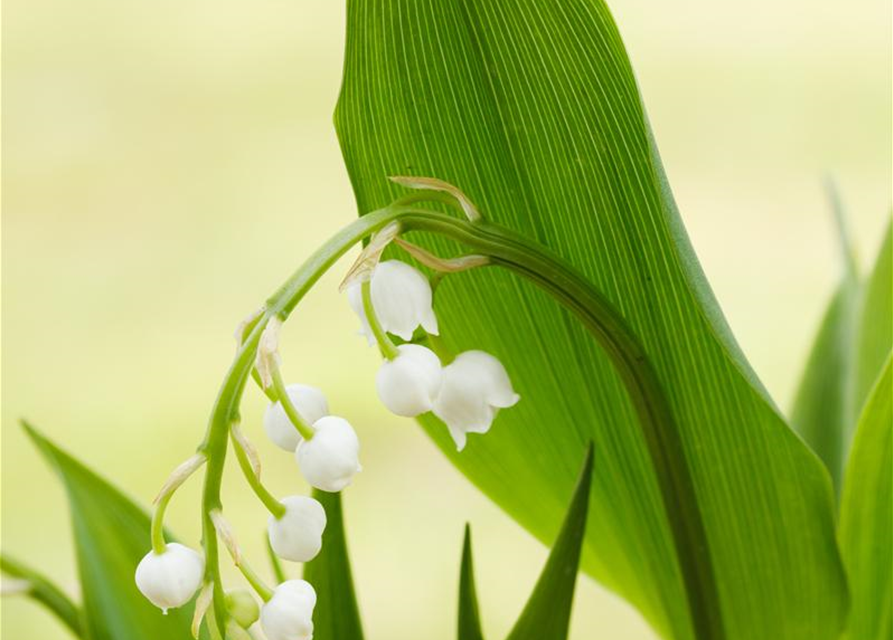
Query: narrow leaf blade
[
  {"x": 548, "y": 611},
  {"x": 111, "y": 536},
  {"x": 876, "y": 317},
  {"x": 469, "y": 616},
  {"x": 337, "y": 614},
  {"x": 866, "y": 520}
]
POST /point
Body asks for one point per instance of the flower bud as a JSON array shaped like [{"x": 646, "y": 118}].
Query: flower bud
[
  {"x": 170, "y": 579},
  {"x": 297, "y": 535},
  {"x": 288, "y": 615},
  {"x": 311, "y": 405},
  {"x": 408, "y": 384},
  {"x": 401, "y": 297},
  {"x": 242, "y": 607},
  {"x": 474, "y": 387},
  {"x": 330, "y": 458}
]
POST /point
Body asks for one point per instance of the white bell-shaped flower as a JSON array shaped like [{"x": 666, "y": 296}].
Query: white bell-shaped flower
[
  {"x": 310, "y": 403},
  {"x": 329, "y": 460},
  {"x": 408, "y": 384},
  {"x": 170, "y": 579},
  {"x": 288, "y": 615},
  {"x": 474, "y": 387},
  {"x": 401, "y": 297},
  {"x": 297, "y": 535}
]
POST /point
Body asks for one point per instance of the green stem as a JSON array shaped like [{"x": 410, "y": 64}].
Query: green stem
[
  {"x": 226, "y": 407},
  {"x": 255, "y": 580},
  {"x": 388, "y": 350},
  {"x": 158, "y": 543},
  {"x": 46, "y": 593},
  {"x": 291, "y": 411},
  {"x": 435, "y": 343},
  {"x": 278, "y": 571},
  {"x": 268, "y": 499},
  {"x": 572, "y": 290},
  {"x": 661, "y": 434}
]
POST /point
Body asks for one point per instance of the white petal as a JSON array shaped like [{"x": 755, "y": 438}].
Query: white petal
[
  {"x": 297, "y": 535},
  {"x": 474, "y": 386},
  {"x": 170, "y": 579},
  {"x": 492, "y": 375},
  {"x": 311, "y": 405},
  {"x": 402, "y": 297},
  {"x": 330, "y": 459},
  {"x": 289, "y": 613},
  {"x": 408, "y": 384}
]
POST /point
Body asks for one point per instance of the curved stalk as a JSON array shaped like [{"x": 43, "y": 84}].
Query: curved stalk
[
  {"x": 662, "y": 438},
  {"x": 548, "y": 271},
  {"x": 46, "y": 593},
  {"x": 226, "y": 406}
]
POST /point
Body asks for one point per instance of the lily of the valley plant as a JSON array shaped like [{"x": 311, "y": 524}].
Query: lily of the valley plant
[{"x": 574, "y": 286}]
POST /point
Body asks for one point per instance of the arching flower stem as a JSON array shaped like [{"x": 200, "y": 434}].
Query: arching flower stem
[{"x": 565, "y": 284}]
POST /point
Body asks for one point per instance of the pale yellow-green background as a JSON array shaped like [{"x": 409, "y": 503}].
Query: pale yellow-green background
[{"x": 168, "y": 163}]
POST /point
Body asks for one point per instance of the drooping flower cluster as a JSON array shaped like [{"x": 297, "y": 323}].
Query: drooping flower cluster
[
  {"x": 466, "y": 394},
  {"x": 326, "y": 449}
]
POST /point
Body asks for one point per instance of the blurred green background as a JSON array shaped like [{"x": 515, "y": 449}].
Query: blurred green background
[{"x": 167, "y": 164}]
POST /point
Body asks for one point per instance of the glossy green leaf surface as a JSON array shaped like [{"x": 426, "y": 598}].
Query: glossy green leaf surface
[
  {"x": 336, "y": 616},
  {"x": 547, "y": 613},
  {"x": 111, "y": 536},
  {"x": 532, "y": 109},
  {"x": 866, "y": 517},
  {"x": 469, "y": 627}
]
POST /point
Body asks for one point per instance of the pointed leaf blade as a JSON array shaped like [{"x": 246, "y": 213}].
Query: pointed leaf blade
[
  {"x": 876, "y": 317},
  {"x": 548, "y": 611},
  {"x": 469, "y": 616},
  {"x": 111, "y": 536},
  {"x": 866, "y": 521}
]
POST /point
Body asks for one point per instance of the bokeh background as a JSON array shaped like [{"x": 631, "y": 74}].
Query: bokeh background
[{"x": 167, "y": 164}]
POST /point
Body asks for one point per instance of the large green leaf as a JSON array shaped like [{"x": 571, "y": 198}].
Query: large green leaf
[
  {"x": 849, "y": 350},
  {"x": 111, "y": 536},
  {"x": 532, "y": 109},
  {"x": 866, "y": 519},
  {"x": 337, "y": 616}
]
